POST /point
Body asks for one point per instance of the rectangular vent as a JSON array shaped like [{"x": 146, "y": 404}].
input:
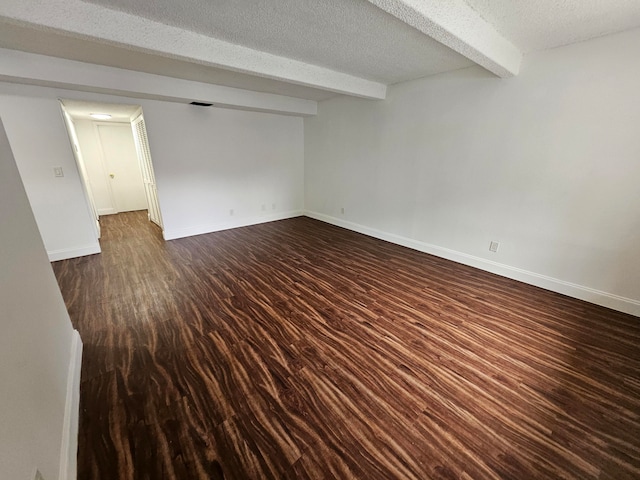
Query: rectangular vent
[{"x": 201, "y": 104}]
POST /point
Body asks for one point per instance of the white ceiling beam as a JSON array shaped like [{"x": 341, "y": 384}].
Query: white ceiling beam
[
  {"x": 456, "y": 25},
  {"x": 30, "y": 68},
  {"x": 86, "y": 20}
]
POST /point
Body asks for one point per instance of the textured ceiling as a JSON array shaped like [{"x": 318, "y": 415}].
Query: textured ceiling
[
  {"x": 312, "y": 49},
  {"x": 55, "y": 44},
  {"x": 352, "y": 36},
  {"x": 543, "y": 24}
]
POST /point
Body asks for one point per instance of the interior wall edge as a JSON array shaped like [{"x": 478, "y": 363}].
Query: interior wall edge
[
  {"x": 69, "y": 450},
  {"x": 580, "y": 292}
]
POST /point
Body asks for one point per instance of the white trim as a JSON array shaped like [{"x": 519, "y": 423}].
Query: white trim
[
  {"x": 216, "y": 227},
  {"x": 81, "y": 166},
  {"x": 581, "y": 292},
  {"x": 68, "y": 452},
  {"x": 106, "y": 211},
  {"x": 63, "y": 254}
]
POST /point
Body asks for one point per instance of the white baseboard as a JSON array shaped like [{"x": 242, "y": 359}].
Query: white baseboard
[
  {"x": 216, "y": 227},
  {"x": 69, "y": 451},
  {"x": 106, "y": 211},
  {"x": 55, "y": 255},
  {"x": 581, "y": 292}
]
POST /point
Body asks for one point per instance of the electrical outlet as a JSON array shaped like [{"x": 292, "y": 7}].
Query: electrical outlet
[
  {"x": 37, "y": 475},
  {"x": 58, "y": 172},
  {"x": 493, "y": 246}
]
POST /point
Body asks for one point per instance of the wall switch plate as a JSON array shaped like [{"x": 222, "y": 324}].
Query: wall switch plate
[
  {"x": 342, "y": 210},
  {"x": 231, "y": 212},
  {"x": 493, "y": 246},
  {"x": 58, "y": 172}
]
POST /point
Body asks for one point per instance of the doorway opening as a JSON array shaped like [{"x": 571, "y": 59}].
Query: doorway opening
[{"x": 111, "y": 148}]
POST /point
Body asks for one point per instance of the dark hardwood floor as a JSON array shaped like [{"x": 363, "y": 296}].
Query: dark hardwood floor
[{"x": 296, "y": 349}]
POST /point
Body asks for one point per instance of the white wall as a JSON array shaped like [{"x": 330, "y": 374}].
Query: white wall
[
  {"x": 207, "y": 162},
  {"x": 210, "y": 161},
  {"x": 36, "y": 341},
  {"x": 547, "y": 163},
  {"x": 39, "y": 139}
]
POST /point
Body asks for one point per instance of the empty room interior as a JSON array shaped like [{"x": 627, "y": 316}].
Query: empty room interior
[{"x": 291, "y": 239}]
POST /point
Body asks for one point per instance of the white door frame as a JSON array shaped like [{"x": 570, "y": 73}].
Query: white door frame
[
  {"x": 146, "y": 166},
  {"x": 82, "y": 171}
]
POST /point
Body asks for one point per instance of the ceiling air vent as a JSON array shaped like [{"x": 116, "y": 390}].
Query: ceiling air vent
[{"x": 201, "y": 104}]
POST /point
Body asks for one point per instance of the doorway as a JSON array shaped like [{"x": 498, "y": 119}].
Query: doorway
[
  {"x": 119, "y": 165},
  {"x": 114, "y": 159}
]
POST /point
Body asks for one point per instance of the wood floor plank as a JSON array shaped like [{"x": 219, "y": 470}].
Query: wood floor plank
[{"x": 299, "y": 350}]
